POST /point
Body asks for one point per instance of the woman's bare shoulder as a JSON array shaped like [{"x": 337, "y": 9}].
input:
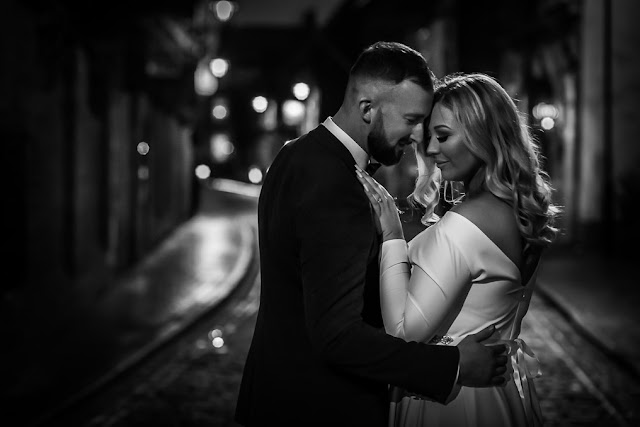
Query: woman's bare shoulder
[{"x": 496, "y": 219}]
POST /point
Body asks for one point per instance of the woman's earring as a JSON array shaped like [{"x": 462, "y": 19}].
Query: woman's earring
[{"x": 453, "y": 192}]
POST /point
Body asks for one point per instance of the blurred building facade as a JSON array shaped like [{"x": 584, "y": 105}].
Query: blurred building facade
[
  {"x": 96, "y": 120},
  {"x": 106, "y": 114},
  {"x": 570, "y": 65}
]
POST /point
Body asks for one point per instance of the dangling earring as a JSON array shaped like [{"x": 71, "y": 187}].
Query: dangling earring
[{"x": 452, "y": 192}]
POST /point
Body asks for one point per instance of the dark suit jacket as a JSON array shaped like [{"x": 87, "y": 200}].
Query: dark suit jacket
[{"x": 319, "y": 354}]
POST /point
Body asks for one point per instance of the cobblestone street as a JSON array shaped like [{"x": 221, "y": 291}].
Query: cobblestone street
[{"x": 190, "y": 382}]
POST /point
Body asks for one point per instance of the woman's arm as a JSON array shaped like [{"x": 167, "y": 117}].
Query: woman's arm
[{"x": 418, "y": 296}]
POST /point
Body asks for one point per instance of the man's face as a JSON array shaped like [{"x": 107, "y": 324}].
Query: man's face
[{"x": 398, "y": 122}]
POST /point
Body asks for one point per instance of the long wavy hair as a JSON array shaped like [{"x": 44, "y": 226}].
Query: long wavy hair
[{"x": 496, "y": 133}]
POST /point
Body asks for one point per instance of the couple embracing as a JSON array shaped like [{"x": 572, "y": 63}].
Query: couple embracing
[{"x": 357, "y": 327}]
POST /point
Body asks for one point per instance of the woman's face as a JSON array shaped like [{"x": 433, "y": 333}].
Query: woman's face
[{"x": 445, "y": 143}]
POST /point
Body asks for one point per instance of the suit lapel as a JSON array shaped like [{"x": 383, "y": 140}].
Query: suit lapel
[{"x": 371, "y": 295}]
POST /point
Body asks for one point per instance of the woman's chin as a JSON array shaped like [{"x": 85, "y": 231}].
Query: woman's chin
[{"x": 447, "y": 176}]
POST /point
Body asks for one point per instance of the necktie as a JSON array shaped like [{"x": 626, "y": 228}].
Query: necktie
[{"x": 372, "y": 168}]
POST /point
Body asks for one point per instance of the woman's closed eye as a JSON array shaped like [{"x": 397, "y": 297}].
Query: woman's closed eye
[{"x": 440, "y": 138}]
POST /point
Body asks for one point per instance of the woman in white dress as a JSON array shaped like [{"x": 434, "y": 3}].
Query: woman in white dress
[{"x": 475, "y": 266}]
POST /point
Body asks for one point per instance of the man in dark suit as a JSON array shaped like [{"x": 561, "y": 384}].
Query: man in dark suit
[{"x": 319, "y": 354}]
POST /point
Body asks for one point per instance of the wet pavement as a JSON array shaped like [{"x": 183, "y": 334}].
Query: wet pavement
[
  {"x": 599, "y": 293},
  {"x": 193, "y": 383},
  {"x": 71, "y": 347},
  {"x": 189, "y": 376}
]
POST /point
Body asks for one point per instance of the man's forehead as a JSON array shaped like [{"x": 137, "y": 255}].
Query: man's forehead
[
  {"x": 409, "y": 86},
  {"x": 409, "y": 95}
]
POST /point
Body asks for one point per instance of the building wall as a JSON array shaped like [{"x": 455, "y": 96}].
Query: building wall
[
  {"x": 608, "y": 187},
  {"x": 626, "y": 119},
  {"x": 76, "y": 214},
  {"x": 592, "y": 111}
]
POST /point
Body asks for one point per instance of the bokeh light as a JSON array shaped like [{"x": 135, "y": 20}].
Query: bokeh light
[
  {"x": 219, "y": 112},
  {"x": 547, "y": 123},
  {"x": 224, "y": 10},
  {"x": 542, "y": 110},
  {"x": 219, "y": 67},
  {"x": 260, "y": 104},
  {"x": 292, "y": 112},
  {"x": 203, "y": 171},
  {"x": 143, "y": 172},
  {"x": 221, "y": 147},
  {"x": 143, "y": 148},
  {"x": 205, "y": 83},
  {"x": 301, "y": 91},
  {"x": 255, "y": 175}
]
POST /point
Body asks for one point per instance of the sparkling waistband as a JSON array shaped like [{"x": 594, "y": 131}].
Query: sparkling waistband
[{"x": 441, "y": 339}]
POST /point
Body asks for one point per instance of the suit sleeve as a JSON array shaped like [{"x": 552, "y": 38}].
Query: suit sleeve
[{"x": 335, "y": 236}]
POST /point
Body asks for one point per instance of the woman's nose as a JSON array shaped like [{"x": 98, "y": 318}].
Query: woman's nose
[{"x": 433, "y": 147}]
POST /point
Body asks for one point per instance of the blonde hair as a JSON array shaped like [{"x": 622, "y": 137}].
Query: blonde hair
[
  {"x": 426, "y": 192},
  {"x": 496, "y": 133}
]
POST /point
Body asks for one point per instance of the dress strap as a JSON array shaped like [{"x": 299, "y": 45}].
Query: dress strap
[{"x": 526, "y": 367}]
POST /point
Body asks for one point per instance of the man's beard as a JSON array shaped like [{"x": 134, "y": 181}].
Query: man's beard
[{"x": 380, "y": 148}]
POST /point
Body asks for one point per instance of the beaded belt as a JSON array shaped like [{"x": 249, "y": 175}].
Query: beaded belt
[{"x": 441, "y": 339}]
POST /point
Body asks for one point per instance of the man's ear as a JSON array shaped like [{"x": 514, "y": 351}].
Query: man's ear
[{"x": 365, "y": 110}]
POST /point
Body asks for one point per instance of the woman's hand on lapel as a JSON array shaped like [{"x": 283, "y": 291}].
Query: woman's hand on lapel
[{"x": 383, "y": 205}]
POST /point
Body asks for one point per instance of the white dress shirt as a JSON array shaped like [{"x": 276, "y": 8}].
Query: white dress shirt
[{"x": 361, "y": 157}]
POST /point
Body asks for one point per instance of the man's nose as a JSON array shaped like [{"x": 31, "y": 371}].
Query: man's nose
[{"x": 417, "y": 134}]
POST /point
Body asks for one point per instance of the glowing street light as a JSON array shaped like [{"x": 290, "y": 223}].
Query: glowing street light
[
  {"x": 219, "y": 67},
  {"x": 547, "y": 123},
  {"x": 143, "y": 148},
  {"x": 292, "y": 112},
  {"x": 260, "y": 104},
  {"x": 219, "y": 112},
  {"x": 203, "y": 171},
  {"x": 221, "y": 147},
  {"x": 223, "y": 9},
  {"x": 542, "y": 110},
  {"x": 204, "y": 82},
  {"x": 255, "y": 175},
  {"x": 301, "y": 91}
]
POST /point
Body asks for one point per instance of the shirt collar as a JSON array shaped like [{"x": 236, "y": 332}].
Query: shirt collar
[{"x": 360, "y": 156}]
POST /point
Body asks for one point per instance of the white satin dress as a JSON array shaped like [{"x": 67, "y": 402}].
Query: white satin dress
[{"x": 450, "y": 281}]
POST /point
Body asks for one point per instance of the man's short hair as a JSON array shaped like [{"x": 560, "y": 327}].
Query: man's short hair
[{"x": 393, "y": 62}]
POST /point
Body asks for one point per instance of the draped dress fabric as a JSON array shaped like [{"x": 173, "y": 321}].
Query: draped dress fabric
[{"x": 450, "y": 281}]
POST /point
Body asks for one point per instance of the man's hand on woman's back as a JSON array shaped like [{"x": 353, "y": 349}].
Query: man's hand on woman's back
[{"x": 482, "y": 364}]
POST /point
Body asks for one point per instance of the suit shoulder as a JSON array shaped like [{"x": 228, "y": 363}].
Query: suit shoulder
[
  {"x": 312, "y": 151},
  {"x": 309, "y": 142}
]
